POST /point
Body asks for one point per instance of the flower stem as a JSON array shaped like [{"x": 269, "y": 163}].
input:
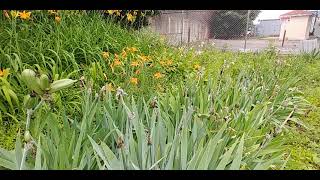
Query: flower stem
[{"x": 26, "y": 148}]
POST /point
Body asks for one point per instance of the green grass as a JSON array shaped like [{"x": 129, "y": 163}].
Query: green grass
[{"x": 263, "y": 108}]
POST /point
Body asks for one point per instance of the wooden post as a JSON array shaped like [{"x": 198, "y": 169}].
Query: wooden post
[{"x": 284, "y": 37}]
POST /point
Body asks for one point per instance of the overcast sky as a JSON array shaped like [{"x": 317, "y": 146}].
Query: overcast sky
[{"x": 270, "y": 14}]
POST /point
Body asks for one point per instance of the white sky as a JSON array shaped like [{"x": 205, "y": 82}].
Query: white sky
[{"x": 270, "y": 14}]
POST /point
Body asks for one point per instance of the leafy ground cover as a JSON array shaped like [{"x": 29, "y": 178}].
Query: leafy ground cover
[{"x": 138, "y": 103}]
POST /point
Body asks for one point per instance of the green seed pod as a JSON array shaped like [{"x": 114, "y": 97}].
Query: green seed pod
[
  {"x": 27, "y": 136},
  {"x": 27, "y": 73},
  {"x": 61, "y": 84},
  {"x": 33, "y": 83},
  {"x": 44, "y": 82}
]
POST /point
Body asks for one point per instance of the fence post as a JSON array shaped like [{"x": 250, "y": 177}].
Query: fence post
[
  {"x": 182, "y": 26},
  {"x": 188, "y": 18},
  {"x": 245, "y": 40},
  {"x": 284, "y": 37}
]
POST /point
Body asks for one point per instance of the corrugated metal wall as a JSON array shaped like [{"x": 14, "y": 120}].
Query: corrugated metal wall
[
  {"x": 268, "y": 28},
  {"x": 182, "y": 26}
]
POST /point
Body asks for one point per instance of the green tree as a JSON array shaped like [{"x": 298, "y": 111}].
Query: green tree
[{"x": 229, "y": 24}]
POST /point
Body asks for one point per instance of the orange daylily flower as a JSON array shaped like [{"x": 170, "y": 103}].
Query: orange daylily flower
[
  {"x": 57, "y": 19},
  {"x": 132, "y": 49},
  {"x": 137, "y": 71},
  {"x": 117, "y": 12},
  {"x": 117, "y": 62},
  {"x": 25, "y": 15},
  {"x": 144, "y": 58},
  {"x": 135, "y": 63},
  {"x": 169, "y": 62},
  {"x": 4, "y": 72},
  {"x": 134, "y": 81},
  {"x": 116, "y": 56},
  {"x": 162, "y": 63},
  {"x": 130, "y": 17},
  {"x": 54, "y": 12},
  {"x": 158, "y": 75}
]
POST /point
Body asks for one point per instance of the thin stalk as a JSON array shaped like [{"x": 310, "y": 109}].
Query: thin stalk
[
  {"x": 25, "y": 150},
  {"x": 29, "y": 113}
]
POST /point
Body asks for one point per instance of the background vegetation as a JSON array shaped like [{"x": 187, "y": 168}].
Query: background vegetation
[{"x": 139, "y": 103}]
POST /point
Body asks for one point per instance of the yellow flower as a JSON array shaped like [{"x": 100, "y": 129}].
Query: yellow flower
[
  {"x": 134, "y": 81},
  {"x": 144, "y": 58},
  {"x": 162, "y": 63},
  {"x": 4, "y": 72},
  {"x": 158, "y": 75},
  {"x": 116, "y": 56},
  {"x": 110, "y": 12},
  {"x": 132, "y": 49},
  {"x": 130, "y": 17},
  {"x": 54, "y": 12},
  {"x": 109, "y": 87},
  {"x": 25, "y": 15},
  {"x": 197, "y": 66},
  {"x": 105, "y": 55},
  {"x": 169, "y": 62},
  {"x": 117, "y": 62},
  {"x": 117, "y": 12},
  {"x": 135, "y": 63},
  {"x": 137, "y": 71},
  {"x": 14, "y": 14},
  {"x": 57, "y": 19}
]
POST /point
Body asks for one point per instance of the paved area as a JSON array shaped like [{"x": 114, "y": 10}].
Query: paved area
[{"x": 257, "y": 45}]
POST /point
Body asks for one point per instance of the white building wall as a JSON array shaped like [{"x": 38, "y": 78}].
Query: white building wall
[{"x": 297, "y": 28}]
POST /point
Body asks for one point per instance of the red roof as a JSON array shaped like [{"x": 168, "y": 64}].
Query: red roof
[{"x": 296, "y": 13}]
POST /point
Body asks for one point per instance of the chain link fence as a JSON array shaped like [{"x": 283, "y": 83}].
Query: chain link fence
[
  {"x": 187, "y": 26},
  {"x": 224, "y": 29}
]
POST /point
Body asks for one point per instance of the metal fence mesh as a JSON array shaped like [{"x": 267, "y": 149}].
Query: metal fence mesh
[
  {"x": 226, "y": 29},
  {"x": 187, "y": 26}
]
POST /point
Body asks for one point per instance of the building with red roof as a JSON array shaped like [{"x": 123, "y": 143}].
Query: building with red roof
[{"x": 296, "y": 25}]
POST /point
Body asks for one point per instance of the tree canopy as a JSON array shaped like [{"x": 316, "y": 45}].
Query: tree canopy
[{"x": 230, "y": 24}]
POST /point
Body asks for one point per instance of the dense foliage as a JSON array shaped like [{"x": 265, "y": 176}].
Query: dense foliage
[
  {"x": 140, "y": 104},
  {"x": 229, "y": 24}
]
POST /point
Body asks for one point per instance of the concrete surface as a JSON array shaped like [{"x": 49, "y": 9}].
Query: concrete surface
[{"x": 256, "y": 45}]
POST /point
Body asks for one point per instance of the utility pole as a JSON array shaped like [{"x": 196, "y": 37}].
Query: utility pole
[{"x": 245, "y": 40}]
